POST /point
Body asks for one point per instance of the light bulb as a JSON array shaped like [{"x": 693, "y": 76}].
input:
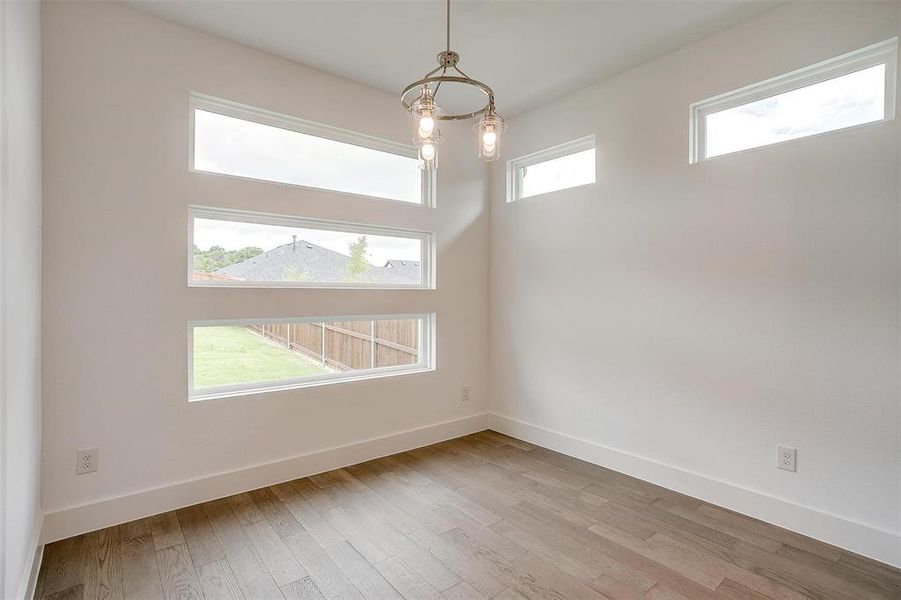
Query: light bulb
[
  {"x": 488, "y": 147},
  {"x": 426, "y": 127},
  {"x": 425, "y": 114},
  {"x": 427, "y": 151},
  {"x": 489, "y": 142}
]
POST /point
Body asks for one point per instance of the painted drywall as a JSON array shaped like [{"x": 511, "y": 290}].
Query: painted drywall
[
  {"x": 692, "y": 317},
  {"x": 20, "y": 291},
  {"x": 116, "y": 192}
]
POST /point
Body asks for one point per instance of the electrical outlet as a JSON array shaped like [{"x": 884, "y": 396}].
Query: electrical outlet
[
  {"x": 464, "y": 396},
  {"x": 86, "y": 461},
  {"x": 787, "y": 458}
]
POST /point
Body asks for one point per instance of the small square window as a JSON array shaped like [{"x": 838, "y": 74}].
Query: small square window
[{"x": 568, "y": 165}]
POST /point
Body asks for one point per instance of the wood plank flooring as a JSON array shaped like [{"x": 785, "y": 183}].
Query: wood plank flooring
[{"x": 484, "y": 516}]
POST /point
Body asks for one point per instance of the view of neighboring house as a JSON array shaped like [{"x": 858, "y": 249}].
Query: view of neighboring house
[{"x": 304, "y": 261}]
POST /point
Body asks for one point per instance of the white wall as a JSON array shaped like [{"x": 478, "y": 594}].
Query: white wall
[
  {"x": 20, "y": 292},
  {"x": 678, "y": 322},
  {"x": 116, "y": 193}
]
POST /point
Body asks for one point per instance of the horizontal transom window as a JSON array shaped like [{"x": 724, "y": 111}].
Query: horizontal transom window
[
  {"x": 237, "y": 357},
  {"x": 565, "y": 166},
  {"x": 853, "y": 89},
  {"x": 242, "y": 141},
  {"x": 244, "y": 249}
]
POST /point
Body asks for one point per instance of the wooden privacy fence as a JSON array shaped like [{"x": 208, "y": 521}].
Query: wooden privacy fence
[{"x": 349, "y": 345}]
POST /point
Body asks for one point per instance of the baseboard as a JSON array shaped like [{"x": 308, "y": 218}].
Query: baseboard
[
  {"x": 30, "y": 575},
  {"x": 113, "y": 511},
  {"x": 879, "y": 544}
]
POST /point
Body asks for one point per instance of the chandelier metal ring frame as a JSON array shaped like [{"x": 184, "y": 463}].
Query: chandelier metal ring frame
[
  {"x": 451, "y": 79},
  {"x": 439, "y": 79},
  {"x": 425, "y": 110}
]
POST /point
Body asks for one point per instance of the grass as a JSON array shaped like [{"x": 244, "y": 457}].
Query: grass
[{"x": 230, "y": 354}]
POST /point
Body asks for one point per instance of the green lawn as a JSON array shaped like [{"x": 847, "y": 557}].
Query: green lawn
[{"x": 229, "y": 354}]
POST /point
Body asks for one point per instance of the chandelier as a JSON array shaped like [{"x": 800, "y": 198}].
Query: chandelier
[{"x": 420, "y": 100}]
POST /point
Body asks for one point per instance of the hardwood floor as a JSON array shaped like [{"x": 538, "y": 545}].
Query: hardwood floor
[{"x": 484, "y": 516}]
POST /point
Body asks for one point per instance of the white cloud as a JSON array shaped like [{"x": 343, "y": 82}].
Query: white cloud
[{"x": 844, "y": 101}]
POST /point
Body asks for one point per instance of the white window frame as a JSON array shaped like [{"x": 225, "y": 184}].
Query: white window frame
[
  {"x": 885, "y": 52},
  {"x": 426, "y": 259},
  {"x": 262, "y": 116},
  {"x": 516, "y": 165},
  {"x": 426, "y": 357}
]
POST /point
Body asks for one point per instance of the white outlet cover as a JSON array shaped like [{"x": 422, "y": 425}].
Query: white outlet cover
[
  {"x": 86, "y": 460},
  {"x": 787, "y": 458},
  {"x": 465, "y": 395}
]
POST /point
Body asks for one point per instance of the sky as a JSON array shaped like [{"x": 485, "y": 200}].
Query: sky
[
  {"x": 559, "y": 173},
  {"x": 234, "y": 235},
  {"x": 844, "y": 101},
  {"x": 237, "y": 147}
]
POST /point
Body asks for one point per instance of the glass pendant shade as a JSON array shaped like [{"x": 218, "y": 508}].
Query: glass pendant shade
[
  {"x": 428, "y": 150},
  {"x": 428, "y": 157},
  {"x": 425, "y": 114},
  {"x": 489, "y": 130}
]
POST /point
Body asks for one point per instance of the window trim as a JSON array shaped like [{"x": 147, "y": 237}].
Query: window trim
[
  {"x": 245, "y": 112},
  {"x": 426, "y": 362},
  {"x": 885, "y": 52},
  {"x": 426, "y": 260},
  {"x": 515, "y": 166}
]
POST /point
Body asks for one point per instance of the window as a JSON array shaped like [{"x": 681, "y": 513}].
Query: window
[
  {"x": 238, "y": 140},
  {"x": 849, "y": 90},
  {"x": 238, "y": 248},
  {"x": 244, "y": 249},
  {"x": 565, "y": 166},
  {"x": 238, "y": 357}
]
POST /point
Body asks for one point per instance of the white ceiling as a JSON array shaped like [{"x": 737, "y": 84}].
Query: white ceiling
[{"x": 528, "y": 52}]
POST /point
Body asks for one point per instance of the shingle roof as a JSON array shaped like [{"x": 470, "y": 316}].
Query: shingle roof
[{"x": 305, "y": 261}]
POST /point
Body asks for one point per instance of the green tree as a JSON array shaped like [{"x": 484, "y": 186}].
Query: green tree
[
  {"x": 357, "y": 265},
  {"x": 217, "y": 257}
]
